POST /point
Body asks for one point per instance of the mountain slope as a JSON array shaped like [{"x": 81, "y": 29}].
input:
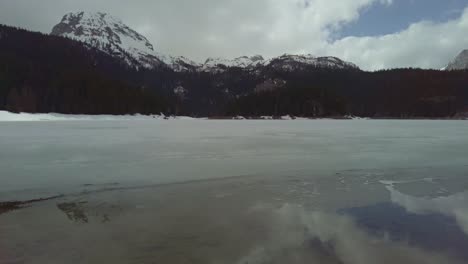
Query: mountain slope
[
  {"x": 460, "y": 62},
  {"x": 286, "y": 62},
  {"x": 43, "y": 73},
  {"x": 221, "y": 64},
  {"x": 40, "y": 73},
  {"x": 298, "y": 62},
  {"x": 112, "y": 36},
  {"x": 108, "y": 34}
]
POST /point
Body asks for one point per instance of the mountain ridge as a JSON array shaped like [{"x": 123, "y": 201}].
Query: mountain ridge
[
  {"x": 46, "y": 73},
  {"x": 460, "y": 62},
  {"x": 111, "y": 35}
]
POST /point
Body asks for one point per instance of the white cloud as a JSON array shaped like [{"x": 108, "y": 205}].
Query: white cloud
[
  {"x": 199, "y": 29},
  {"x": 231, "y": 28},
  {"x": 269, "y": 27},
  {"x": 424, "y": 44}
]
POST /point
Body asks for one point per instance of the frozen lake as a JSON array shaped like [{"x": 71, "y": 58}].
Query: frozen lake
[
  {"x": 71, "y": 153},
  {"x": 204, "y": 191}
]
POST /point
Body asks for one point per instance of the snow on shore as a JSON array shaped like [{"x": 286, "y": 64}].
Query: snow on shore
[
  {"x": 6, "y": 116},
  {"x": 18, "y": 117}
]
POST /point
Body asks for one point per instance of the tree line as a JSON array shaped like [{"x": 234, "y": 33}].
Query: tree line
[{"x": 43, "y": 73}]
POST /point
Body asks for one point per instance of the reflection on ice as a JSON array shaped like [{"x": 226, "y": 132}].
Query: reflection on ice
[
  {"x": 300, "y": 236},
  {"x": 229, "y": 192},
  {"x": 454, "y": 206},
  {"x": 241, "y": 220},
  {"x": 433, "y": 231}
]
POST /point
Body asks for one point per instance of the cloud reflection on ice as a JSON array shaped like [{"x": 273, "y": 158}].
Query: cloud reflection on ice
[
  {"x": 301, "y": 236},
  {"x": 454, "y": 206}
]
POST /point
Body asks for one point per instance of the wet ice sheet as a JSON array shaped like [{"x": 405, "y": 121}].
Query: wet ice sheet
[
  {"x": 256, "y": 219},
  {"x": 63, "y": 155},
  {"x": 227, "y": 192}
]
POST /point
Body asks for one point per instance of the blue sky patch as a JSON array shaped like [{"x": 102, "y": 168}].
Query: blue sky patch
[{"x": 386, "y": 19}]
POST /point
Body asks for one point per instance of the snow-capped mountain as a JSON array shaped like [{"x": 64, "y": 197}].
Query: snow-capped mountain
[
  {"x": 460, "y": 62},
  {"x": 286, "y": 62},
  {"x": 110, "y": 35},
  {"x": 219, "y": 64},
  {"x": 180, "y": 63},
  {"x": 290, "y": 62}
]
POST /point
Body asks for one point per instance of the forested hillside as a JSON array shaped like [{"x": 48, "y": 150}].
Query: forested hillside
[
  {"x": 43, "y": 73},
  {"x": 400, "y": 93}
]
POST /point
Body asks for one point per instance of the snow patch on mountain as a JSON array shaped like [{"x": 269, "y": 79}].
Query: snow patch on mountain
[
  {"x": 180, "y": 63},
  {"x": 289, "y": 62},
  {"x": 220, "y": 64},
  {"x": 286, "y": 62}
]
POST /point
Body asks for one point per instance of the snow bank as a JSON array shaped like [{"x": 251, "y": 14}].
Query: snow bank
[
  {"x": 17, "y": 117},
  {"x": 356, "y": 117}
]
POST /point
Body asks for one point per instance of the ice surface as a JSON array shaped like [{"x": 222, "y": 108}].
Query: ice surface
[
  {"x": 244, "y": 191},
  {"x": 103, "y": 149}
]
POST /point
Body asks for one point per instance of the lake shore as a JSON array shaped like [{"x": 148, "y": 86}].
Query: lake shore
[{"x": 17, "y": 117}]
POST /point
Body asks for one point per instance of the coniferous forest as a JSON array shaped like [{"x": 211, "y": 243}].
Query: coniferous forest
[{"x": 43, "y": 73}]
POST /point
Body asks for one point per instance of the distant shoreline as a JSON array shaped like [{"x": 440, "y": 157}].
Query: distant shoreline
[
  {"x": 6, "y": 116},
  {"x": 333, "y": 118}
]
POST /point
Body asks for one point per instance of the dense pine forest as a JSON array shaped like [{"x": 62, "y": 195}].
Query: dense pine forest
[
  {"x": 400, "y": 93},
  {"x": 42, "y": 73}
]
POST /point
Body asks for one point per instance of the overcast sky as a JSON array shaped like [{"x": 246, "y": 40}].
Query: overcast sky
[{"x": 373, "y": 34}]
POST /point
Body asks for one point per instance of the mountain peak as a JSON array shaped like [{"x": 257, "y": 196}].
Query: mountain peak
[
  {"x": 108, "y": 34},
  {"x": 291, "y": 62},
  {"x": 240, "y": 62},
  {"x": 460, "y": 62}
]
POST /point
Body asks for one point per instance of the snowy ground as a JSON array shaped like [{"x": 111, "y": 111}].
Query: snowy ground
[
  {"x": 18, "y": 117},
  {"x": 6, "y": 116}
]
